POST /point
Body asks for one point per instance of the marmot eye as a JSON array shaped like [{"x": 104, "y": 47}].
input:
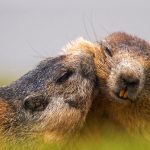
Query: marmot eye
[
  {"x": 108, "y": 51},
  {"x": 65, "y": 76}
]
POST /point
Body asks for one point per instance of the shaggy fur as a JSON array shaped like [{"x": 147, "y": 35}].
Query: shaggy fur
[
  {"x": 121, "y": 54},
  {"x": 51, "y": 101}
]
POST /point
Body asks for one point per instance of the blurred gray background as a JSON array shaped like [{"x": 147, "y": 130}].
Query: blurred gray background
[{"x": 31, "y": 30}]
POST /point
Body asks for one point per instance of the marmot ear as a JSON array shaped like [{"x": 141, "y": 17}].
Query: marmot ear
[{"x": 35, "y": 102}]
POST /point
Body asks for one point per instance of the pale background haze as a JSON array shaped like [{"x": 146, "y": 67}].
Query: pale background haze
[{"x": 31, "y": 30}]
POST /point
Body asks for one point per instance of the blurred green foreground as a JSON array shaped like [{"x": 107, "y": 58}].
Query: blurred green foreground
[
  {"x": 5, "y": 80},
  {"x": 96, "y": 143}
]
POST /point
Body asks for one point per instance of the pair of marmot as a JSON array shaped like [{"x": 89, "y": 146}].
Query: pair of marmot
[{"x": 91, "y": 79}]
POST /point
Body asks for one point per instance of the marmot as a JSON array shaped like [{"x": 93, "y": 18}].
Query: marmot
[
  {"x": 123, "y": 66},
  {"x": 51, "y": 101},
  {"x": 126, "y": 89}
]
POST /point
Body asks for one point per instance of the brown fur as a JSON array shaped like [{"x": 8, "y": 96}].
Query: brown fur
[
  {"x": 133, "y": 117},
  {"x": 5, "y": 111}
]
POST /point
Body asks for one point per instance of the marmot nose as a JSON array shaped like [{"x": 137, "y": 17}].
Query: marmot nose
[
  {"x": 128, "y": 86},
  {"x": 130, "y": 82}
]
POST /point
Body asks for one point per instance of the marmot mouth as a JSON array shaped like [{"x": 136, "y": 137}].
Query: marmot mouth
[
  {"x": 122, "y": 98},
  {"x": 122, "y": 94}
]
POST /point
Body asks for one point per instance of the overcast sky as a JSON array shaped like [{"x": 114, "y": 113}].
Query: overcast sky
[{"x": 31, "y": 30}]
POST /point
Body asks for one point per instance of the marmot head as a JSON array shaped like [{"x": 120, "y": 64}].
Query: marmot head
[
  {"x": 128, "y": 75},
  {"x": 56, "y": 96},
  {"x": 123, "y": 69}
]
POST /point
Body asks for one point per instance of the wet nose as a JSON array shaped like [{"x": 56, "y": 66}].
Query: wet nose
[
  {"x": 128, "y": 86},
  {"x": 131, "y": 82}
]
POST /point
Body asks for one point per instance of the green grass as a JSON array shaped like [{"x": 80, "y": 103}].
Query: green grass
[
  {"x": 91, "y": 144},
  {"x": 5, "y": 80}
]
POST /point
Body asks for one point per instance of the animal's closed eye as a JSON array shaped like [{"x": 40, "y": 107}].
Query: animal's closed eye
[
  {"x": 64, "y": 77},
  {"x": 73, "y": 103}
]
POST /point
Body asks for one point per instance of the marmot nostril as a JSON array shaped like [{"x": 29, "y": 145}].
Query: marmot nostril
[{"x": 130, "y": 82}]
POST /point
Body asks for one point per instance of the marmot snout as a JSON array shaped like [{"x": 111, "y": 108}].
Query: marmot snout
[
  {"x": 126, "y": 79},
  {"x": 128, "y": 66}
]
